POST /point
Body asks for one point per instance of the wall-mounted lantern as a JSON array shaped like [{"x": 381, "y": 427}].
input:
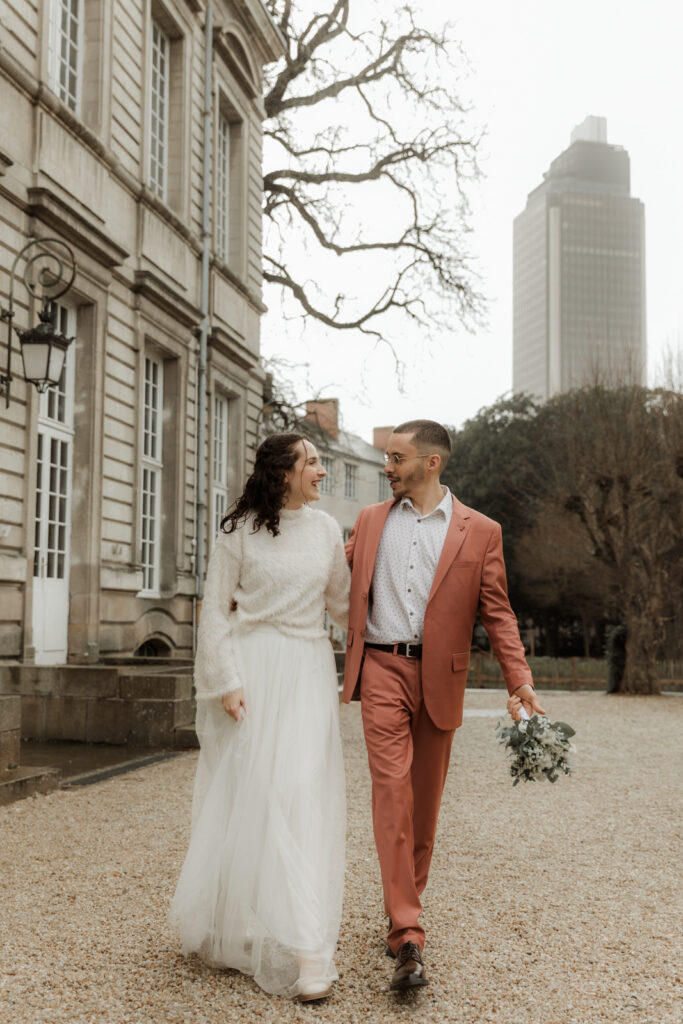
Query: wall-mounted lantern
[{"x": 50, "y": 271}]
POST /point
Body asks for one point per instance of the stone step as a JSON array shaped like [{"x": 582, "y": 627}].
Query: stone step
[
  {"x": 10, "y": 712},
  {"x": 161, "y": 686},
  {"x": 131, "y": 682},
  {"x": 153, "y": 722},
  {"x": 10, "y": 749},
  {"x": 62, "y": 680},
  {"x": 185, "y": 737},
  {"x": 25, "y": 781}
]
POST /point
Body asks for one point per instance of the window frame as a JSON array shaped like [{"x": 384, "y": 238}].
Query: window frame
[
  {"x": 327, "y": 483},
  {"x": 151, "y": 469},
  {"x": 223, "y": 186},
  {"x": 350, "y": 480},
  {"x": 220, "y": 435},
  {"x": 56, "y": 38},
  {"x": 158, "y": 182}
]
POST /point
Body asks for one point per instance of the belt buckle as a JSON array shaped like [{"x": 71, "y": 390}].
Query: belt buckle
[{"x": 409, "y": 650}]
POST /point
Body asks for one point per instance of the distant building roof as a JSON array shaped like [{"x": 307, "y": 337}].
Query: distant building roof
[{"x": 352, "y": 445}]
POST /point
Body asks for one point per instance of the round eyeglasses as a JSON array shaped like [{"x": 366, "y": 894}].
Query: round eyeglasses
[{"x": 395, "y": 459}]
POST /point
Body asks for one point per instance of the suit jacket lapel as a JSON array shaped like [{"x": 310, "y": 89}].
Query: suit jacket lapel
[
  {"x": 375, "y": 526},
  {"x": 457, "y": 531}
]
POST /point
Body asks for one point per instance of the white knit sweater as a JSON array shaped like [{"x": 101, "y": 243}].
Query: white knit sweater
[{"x": 284, "y": 581}]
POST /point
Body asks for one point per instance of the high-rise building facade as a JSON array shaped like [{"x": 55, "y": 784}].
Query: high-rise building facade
[{"x": 579, "y": 271}]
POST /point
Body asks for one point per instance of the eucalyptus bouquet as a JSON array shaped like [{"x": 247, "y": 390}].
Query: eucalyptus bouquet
[{"x": 538, "y": 748}]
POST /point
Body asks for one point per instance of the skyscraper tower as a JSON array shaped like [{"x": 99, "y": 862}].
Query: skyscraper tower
[{"x": 579, "y": 271}]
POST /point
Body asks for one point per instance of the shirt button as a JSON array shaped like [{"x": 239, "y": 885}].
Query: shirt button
[{"x": 409, "y": 589}]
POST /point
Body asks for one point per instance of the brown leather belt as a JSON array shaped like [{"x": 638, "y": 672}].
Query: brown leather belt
[{"x": 406, "y": 650}]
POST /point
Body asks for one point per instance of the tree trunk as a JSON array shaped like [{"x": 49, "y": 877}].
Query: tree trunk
[{"x": 640, "y": 671}]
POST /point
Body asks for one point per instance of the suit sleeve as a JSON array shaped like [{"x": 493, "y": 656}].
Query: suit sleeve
[
  {"x": 215, "y": 669},
  {"x": 498, "y": 618},
  {"x": 350, "y": 545}
]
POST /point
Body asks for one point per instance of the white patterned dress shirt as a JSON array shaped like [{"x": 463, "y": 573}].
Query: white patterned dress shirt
[{"x": 408, "y": 555}]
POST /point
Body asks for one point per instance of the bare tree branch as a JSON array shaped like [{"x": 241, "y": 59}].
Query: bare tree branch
[{"x": 360, "y": 103}]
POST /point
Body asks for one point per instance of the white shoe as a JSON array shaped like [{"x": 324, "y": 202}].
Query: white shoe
[{"x": 311, "y": 990}]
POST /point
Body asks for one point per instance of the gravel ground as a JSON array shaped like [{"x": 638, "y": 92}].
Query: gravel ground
[{"x": 546, "y": 904}]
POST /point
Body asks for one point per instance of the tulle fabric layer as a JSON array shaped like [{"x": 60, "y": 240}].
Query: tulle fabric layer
[{"x": 262, "y": 884}]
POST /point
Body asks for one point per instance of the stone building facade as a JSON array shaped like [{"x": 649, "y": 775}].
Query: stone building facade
[{"x": 101, "y": 146}]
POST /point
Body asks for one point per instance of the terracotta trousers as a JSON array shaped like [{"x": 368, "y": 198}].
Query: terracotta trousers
[{"x": 408, "y": 758}]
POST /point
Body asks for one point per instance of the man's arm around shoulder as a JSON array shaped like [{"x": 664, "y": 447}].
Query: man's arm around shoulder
[{"x": 350, "y": 545}]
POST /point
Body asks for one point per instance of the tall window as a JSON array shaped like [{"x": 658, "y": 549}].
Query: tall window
[
  {"x": 159, "y": 111},
  {"x": 52, "y": 534},
  {"x": 220, "y": 460},
  {"x": 152, "y": 467},
  {"x": 350, "y": 476},
  {"x": 55, "y": 444},
  {"x": 223, "y": 189},
  {"x": 383, "y": 491},
  {"x": 327, "y": 486},
  {"x": 66, "y": 44}
]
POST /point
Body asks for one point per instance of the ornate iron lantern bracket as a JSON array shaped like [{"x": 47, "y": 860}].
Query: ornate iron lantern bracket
[{"x": 50, "y": 271}]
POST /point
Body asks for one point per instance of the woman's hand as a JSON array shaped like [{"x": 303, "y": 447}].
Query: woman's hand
[
  {"x": 524, "y": 695},
  {"x": 233, "y": 703}
]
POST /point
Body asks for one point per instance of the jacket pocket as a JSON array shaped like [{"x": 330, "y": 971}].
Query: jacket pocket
[
  {"x": 460, "y": 662},
  {"x": 349, "y": 638}
]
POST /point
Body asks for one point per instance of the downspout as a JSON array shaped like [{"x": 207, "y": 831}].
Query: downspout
[{"x": 201, "y": 503}]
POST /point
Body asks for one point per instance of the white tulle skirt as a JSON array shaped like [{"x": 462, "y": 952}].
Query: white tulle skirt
[{"x": 262, "y": 884}]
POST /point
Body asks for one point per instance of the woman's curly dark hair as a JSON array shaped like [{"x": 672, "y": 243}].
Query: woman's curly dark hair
[{"x": 265, "y": 490}]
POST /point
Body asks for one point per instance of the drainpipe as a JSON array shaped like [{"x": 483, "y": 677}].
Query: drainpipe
[{"x": 201, "y": 503}]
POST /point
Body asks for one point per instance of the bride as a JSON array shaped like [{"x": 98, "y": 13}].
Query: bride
[{"x": 262, "y": 883}]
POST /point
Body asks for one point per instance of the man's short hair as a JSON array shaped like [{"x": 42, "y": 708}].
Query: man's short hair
[{"x": 427, "y": 434}]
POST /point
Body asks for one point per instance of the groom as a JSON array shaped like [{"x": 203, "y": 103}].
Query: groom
[{"x": 423, "y": 565}]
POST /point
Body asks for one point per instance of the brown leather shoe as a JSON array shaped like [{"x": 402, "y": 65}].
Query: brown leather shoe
[{"x": 410, "y": 971}]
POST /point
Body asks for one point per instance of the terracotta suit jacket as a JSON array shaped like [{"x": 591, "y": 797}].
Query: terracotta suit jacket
[{"x": 469, "y": 578}]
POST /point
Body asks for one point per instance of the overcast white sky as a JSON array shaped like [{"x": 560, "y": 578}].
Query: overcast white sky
[{"x": 537, "y": 69}]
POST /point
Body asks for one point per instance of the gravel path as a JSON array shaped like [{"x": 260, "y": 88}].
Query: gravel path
[{"x": 546, "y": 904}]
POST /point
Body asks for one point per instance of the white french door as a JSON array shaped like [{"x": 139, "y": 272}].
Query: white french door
[{"x": 52, "y": 539}]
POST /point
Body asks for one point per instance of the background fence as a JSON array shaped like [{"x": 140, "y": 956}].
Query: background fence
[{"x": 565, "y": 673}]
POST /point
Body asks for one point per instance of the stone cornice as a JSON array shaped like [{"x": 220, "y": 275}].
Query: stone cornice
[
  {"x": 266, "y": 36},
  {"x": 73, "y": 226},
  {"x": 222, "y": 47},
  {"x": 157, "y": 291},
  {"x": 226, "y": 343},
  {"x": 5, "y": 162},
  {"x": 254, "y": 300}
]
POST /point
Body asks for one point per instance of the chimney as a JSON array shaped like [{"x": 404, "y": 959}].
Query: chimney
[
  {"x": 324, "y": 412},
  {"x": 380, "y": 436}
]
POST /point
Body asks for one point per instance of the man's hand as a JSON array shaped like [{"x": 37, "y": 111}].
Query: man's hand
[
  {"x": 233, "y": 703},
  {"x": 524, "y": 695}
]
